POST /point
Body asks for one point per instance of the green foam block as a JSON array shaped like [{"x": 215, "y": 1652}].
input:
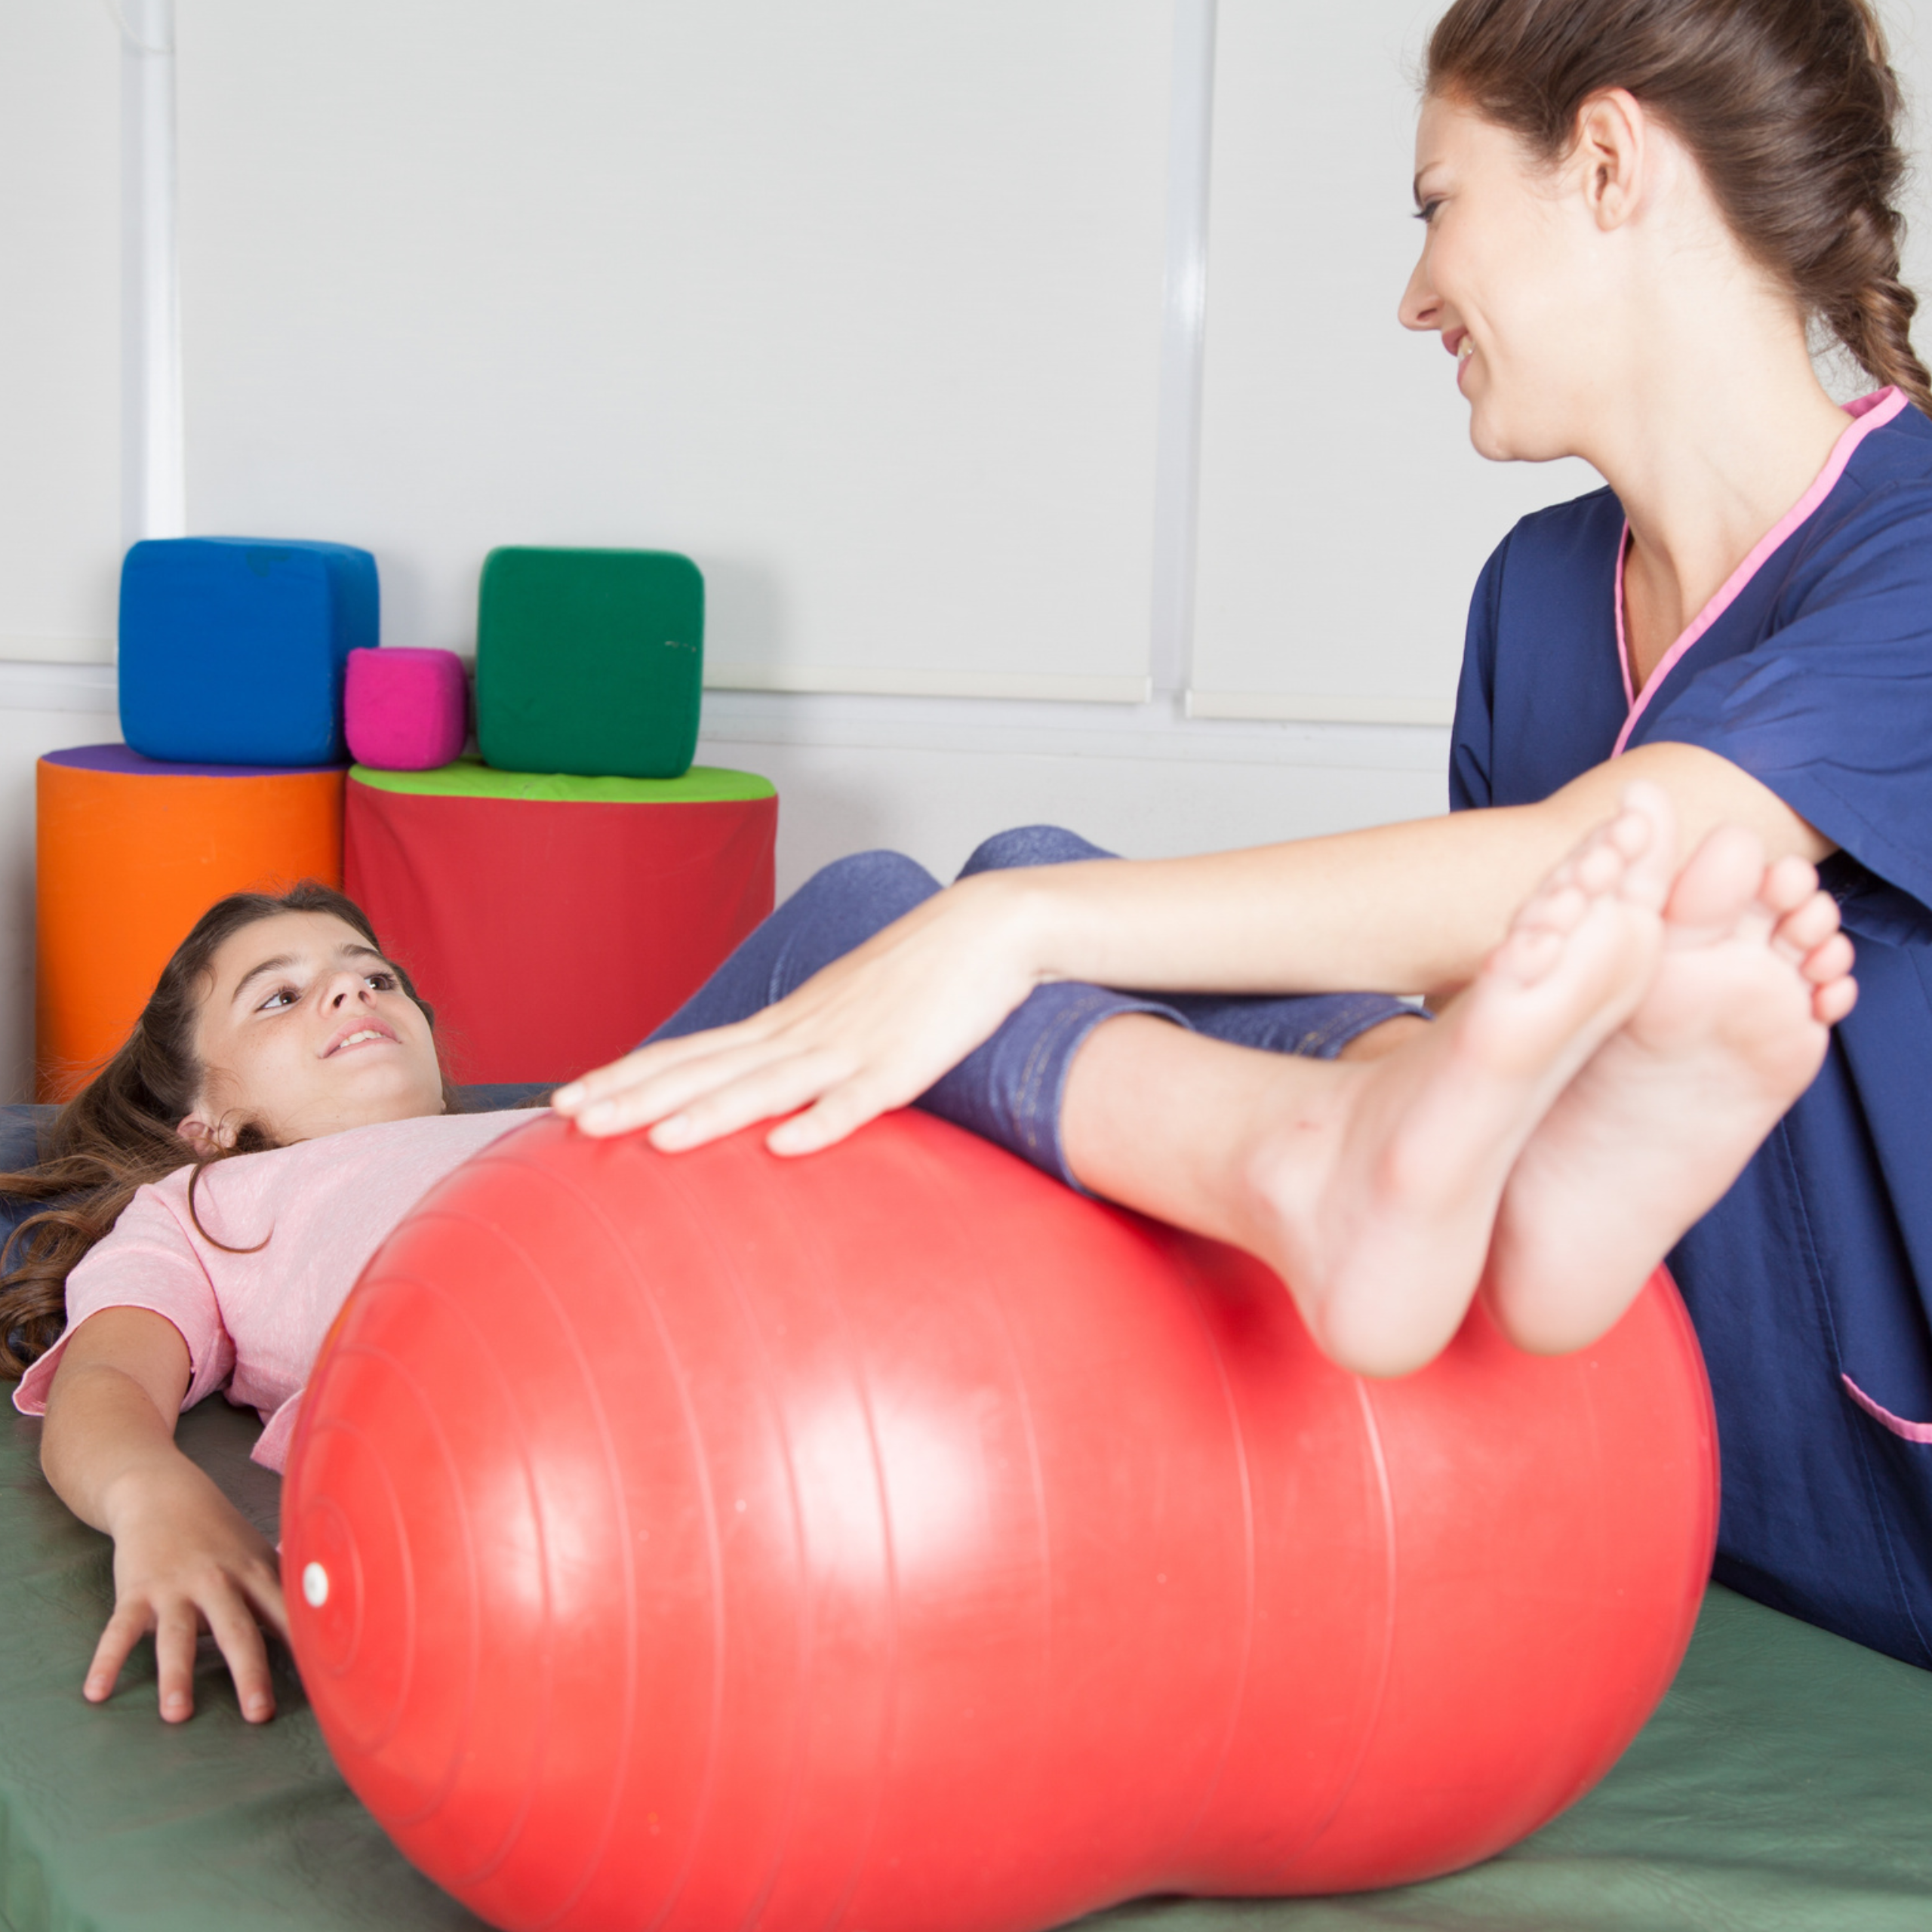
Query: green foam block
[{"x": 589, "y": 662}]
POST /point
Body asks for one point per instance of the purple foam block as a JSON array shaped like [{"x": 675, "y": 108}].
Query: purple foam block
[{"x": 406, "y": 710}]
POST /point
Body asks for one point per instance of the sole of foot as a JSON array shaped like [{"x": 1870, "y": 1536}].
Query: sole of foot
[
  {"x": 1733, "y": 1027},
  {"x": 1380, "y": 1220}
]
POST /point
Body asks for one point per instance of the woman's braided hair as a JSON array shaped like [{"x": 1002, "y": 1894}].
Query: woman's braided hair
[{"x": 1791, "y": 108}]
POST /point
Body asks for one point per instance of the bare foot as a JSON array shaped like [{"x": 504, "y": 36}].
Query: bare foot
[
  {"x": 1377, "y": 1203},
  {"x": 1733, "y": 1029}
]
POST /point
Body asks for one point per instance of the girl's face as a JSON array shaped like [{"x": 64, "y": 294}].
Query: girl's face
[
  {"x": 1510, "y": 277},
  {"x": 305, "y": 1029}
]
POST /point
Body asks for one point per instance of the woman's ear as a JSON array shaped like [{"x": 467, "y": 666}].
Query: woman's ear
[{"x": 1612, "y": 154}]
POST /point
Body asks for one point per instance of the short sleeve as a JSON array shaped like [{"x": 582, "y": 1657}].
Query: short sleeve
[
  {"x": 1473, "y": 741},
  {"x": 146, "y": 1261},
  {"x": 1833, "y": 710}
]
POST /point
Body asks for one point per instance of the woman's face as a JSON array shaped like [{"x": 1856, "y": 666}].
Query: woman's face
[
  {"x": 305, "y": 1029},
  {"x": 1508, "y": 276}
]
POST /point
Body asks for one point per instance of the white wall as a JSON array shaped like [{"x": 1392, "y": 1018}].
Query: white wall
[
  {"x": 1343, "y": 515},
  {"x": 857, "y": 303},
  {"x": 60, "y": 436},
  {"x": 1045, "y": 465},
  {"x": 60, "y": 265},
  {"x": 934, "y": 778}
]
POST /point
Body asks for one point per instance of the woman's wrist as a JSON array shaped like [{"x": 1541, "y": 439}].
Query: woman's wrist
[{"x": 1024, "y": 922}]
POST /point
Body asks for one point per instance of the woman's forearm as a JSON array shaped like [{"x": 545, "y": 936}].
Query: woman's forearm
[{"x": 1407, "y": 909}]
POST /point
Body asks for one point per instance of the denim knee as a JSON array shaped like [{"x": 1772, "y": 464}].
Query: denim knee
[
  {"x": 880, "y": 878},
  {"x": 839, "y": 907},
  {"x": 1030, "y": 845}
]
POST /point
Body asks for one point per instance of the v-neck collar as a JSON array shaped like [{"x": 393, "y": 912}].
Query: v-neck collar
[{"x": 1867, "y": 413}]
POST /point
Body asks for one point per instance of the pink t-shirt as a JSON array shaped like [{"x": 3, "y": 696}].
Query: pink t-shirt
[{"x": 255, "y": 1322}]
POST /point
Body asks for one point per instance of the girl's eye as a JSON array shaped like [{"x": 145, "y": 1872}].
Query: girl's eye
[
  {"x": 381, "y": 982},
  {"x": 1426, "y": 214},
  {"x": 282, "y": 996}
]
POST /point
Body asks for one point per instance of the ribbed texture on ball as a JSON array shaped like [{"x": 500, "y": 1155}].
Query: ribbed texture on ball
[{"x": 895, "y": 1540}]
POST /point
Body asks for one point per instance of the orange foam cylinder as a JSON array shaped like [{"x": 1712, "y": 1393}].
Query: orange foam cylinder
[
  {"x": 897, "y": 1541},
  {"x": 129, "y": 853}
]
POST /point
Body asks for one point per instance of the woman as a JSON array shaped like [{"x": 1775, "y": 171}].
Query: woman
[{"x": 1634, "y": 213}]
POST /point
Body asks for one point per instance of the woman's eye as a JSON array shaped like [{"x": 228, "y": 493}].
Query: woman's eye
[
  {"x": 1426, "y": 214},
  {"x": 282, "y": 996},
  {"x": 381, "y": 982}
]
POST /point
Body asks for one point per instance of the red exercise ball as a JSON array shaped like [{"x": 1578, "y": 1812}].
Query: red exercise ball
[{"x": 895, "y": 1539}]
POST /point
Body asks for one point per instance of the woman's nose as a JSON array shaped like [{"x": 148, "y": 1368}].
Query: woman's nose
[{"x": 1421, "y": 307}]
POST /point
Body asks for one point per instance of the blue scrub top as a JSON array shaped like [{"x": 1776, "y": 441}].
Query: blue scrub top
[{"x": 1810, "y": 1281}]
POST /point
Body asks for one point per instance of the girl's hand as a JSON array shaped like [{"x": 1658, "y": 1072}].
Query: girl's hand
[
  {"x": 872, "y": 1031},
  {"x": 185, "y": 1560}
]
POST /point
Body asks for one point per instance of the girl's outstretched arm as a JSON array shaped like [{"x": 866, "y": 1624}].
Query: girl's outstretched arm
[{"x": 184, "y": 1558}]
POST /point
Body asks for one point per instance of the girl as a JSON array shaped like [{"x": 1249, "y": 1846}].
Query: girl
[
  {"x": 279, "y": 1107},
  {"x": 1635, "y": 213}
]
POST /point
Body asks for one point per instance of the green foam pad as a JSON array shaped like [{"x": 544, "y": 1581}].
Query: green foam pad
[
  {"x": 589, "y": 661},
  {"x": 470, "y": 778}
]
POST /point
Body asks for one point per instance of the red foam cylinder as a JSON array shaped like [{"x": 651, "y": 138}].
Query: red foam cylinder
[
  {"x": 553, "y": 936},
  {"x": 895, "y": 1539}
]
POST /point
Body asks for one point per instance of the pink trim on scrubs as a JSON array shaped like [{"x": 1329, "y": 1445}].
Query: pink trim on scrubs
[
  {"x": 1869, "y": 412},
  {"x": 1912, "y": 1431}
]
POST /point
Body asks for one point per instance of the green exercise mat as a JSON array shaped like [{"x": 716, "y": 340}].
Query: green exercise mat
[{"x": 1785, "y": 1785}]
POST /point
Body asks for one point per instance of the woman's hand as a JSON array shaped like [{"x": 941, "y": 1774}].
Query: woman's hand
[
  {"x": 185, "y": 1560},
  {"x": 872, "y": 1031}
]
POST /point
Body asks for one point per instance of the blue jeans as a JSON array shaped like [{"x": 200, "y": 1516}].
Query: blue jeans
[{"x": 1009, "y": 1089}]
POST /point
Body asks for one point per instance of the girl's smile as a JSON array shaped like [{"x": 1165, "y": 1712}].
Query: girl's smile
[{"x": 370, "y": 1034}]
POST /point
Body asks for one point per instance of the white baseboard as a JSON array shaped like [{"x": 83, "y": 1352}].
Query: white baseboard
[
  {"x": 1317, "y": 708},
  {"x": 887, "y": 681},
  {"x": 17, "y": 649},
  {"x": 44, "y": 686}
]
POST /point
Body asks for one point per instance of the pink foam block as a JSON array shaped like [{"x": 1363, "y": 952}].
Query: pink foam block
[{"x": 406, "y": 710}]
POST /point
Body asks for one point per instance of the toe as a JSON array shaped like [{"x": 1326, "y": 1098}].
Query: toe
[
  {"x": 1830, "y": 1003},
  {"x": 1805, "y": 929},
  {"x": 1654, "y": 859},
  {"x": 1719, "y": 881},
  {"x": 1528, "y": 954},
  {"x": 1558, "y": 909},
  {"x": 1831, "y": 960},
  {"x": 1789, "y": 883},
  {"x": 1601, "y": 863}
]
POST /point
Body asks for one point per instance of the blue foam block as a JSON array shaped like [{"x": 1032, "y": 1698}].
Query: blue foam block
[{"x": 233, "y": 650}]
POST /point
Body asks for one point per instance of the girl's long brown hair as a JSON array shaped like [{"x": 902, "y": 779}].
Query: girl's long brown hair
[
  {"x": 1791, "y": 108},
  {"x": 118, "y": 1133}
]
